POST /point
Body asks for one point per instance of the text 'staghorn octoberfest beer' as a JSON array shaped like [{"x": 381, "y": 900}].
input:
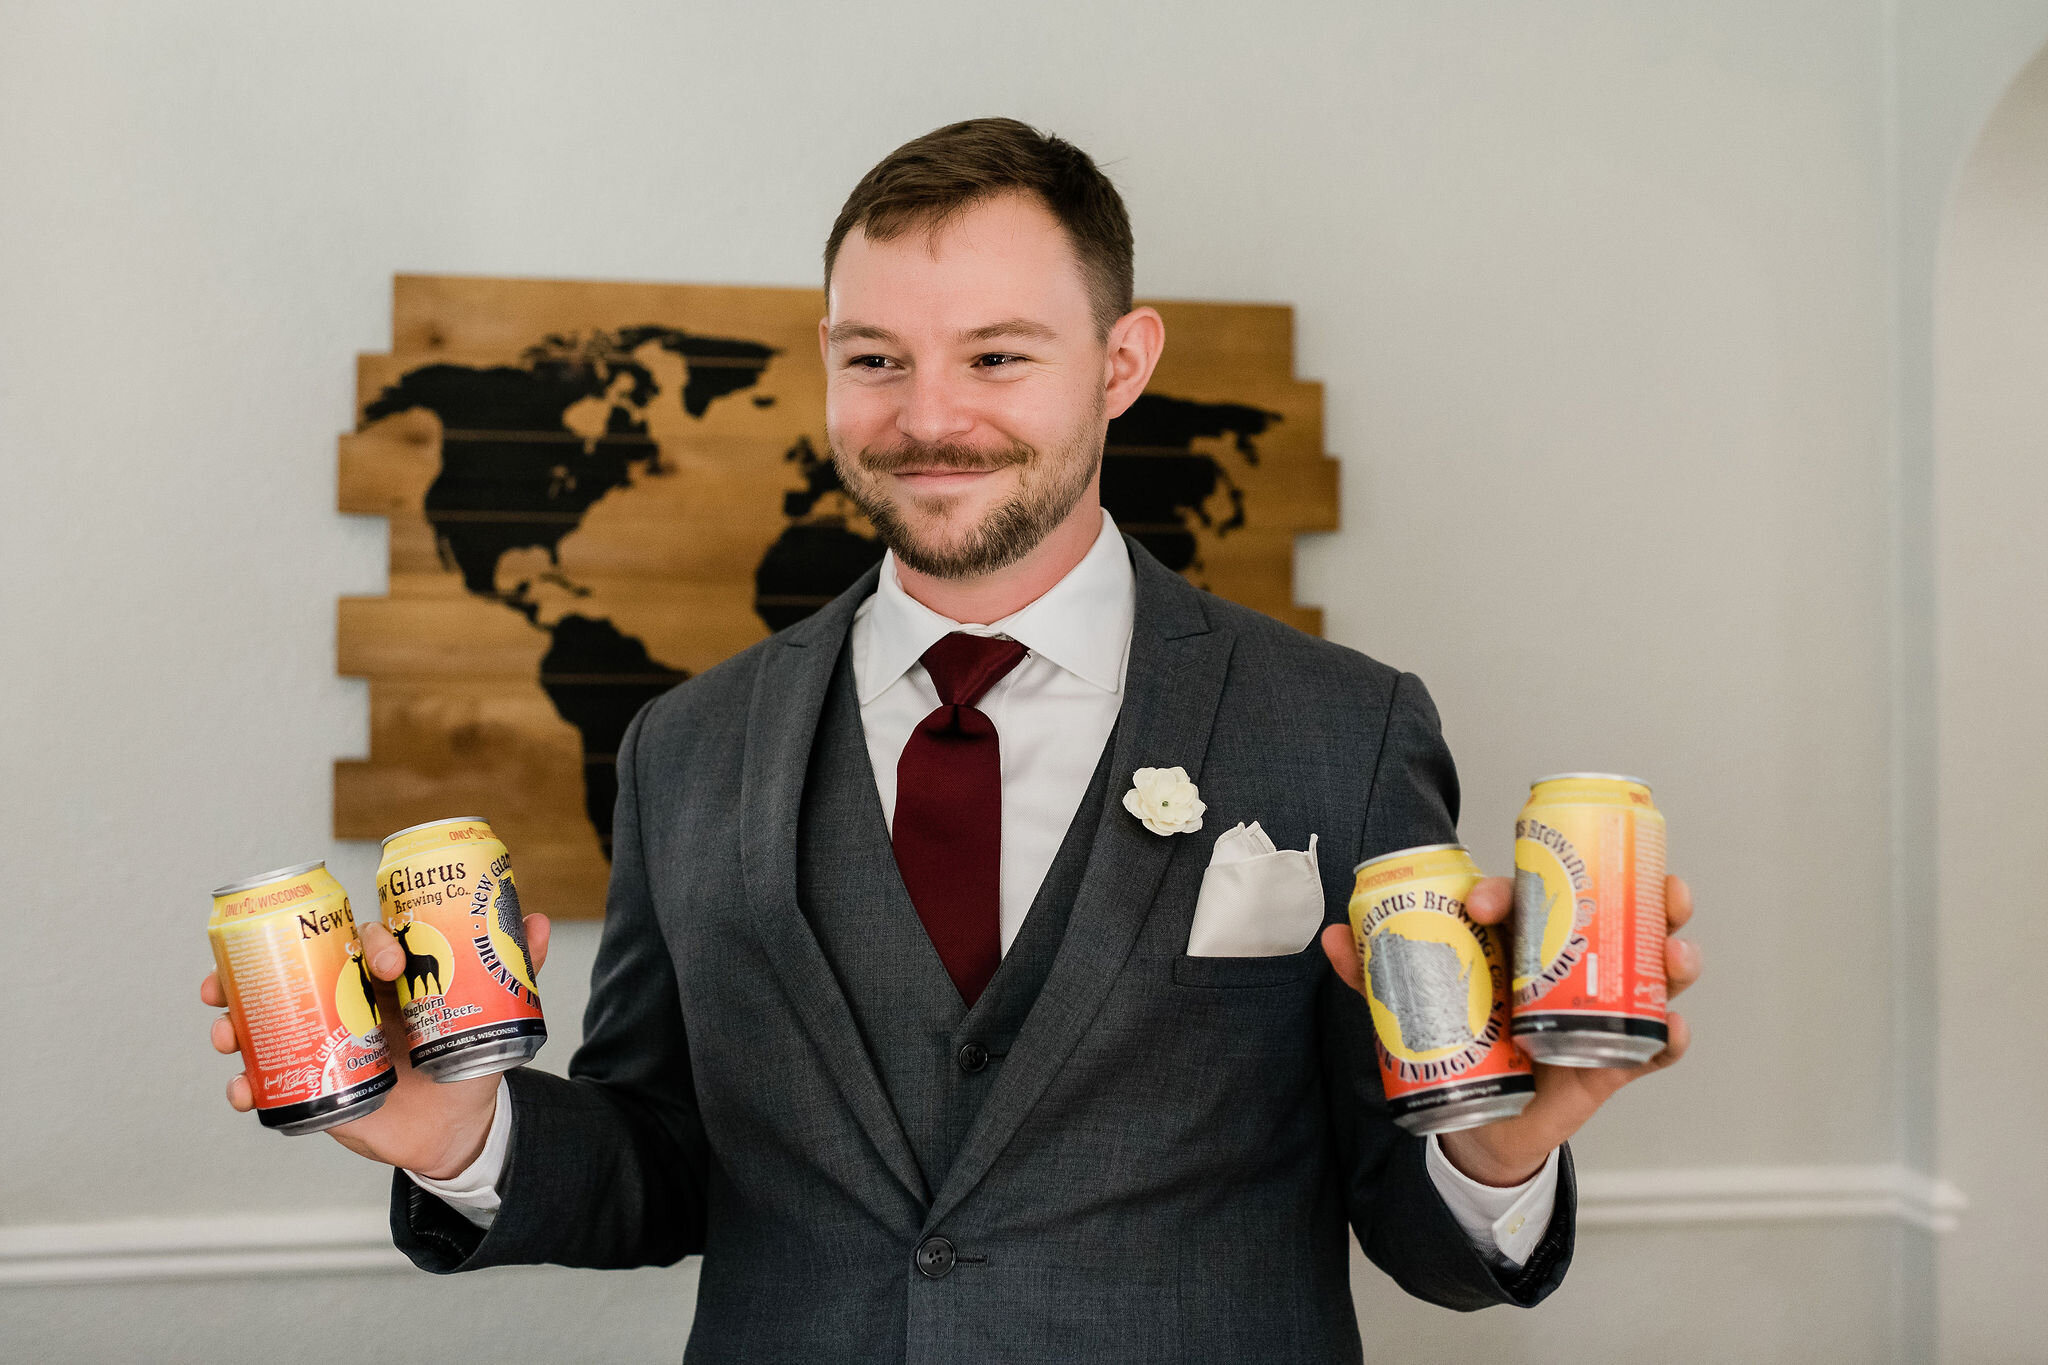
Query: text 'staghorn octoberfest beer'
[
  {"x": 301, "y": 999},
  {"x": 1437, "y": 985},
  {"x": 467, "y": 993}
]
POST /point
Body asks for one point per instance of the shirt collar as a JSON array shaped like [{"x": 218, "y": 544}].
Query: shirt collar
[{"x": 1082, "y": 623}]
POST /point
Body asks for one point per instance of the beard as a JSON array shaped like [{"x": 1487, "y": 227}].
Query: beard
[{"x": 1048, "y": 490}]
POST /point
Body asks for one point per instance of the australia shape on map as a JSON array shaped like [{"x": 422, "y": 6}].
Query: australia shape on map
[{"x": 528, "y": 449}]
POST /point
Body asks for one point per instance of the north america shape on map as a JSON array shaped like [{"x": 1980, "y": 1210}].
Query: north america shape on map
[{"x": 528, "y": 449}]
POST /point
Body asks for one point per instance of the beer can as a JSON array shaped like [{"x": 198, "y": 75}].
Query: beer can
[
  {"x": 301, "y": 998},
  {"x": 467, "y": 995},
  {"x": 1437, "y": 985},
  {"x": 1589, "y": 921}
]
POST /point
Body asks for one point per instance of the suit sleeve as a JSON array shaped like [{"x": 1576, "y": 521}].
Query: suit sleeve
[
  {"x": 608, "y": 1167},
  {"x": 1390, "y": 1200}
]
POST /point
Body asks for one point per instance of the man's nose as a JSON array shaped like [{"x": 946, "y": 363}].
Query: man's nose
[{"x": 934, "y": 409}]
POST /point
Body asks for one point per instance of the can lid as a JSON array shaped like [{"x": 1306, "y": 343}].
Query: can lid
[
  {"x": 278, "y": 875},
  {"x": 429, "y": 824},
  {"x": 1407, "y": 853},
  {"x": 1592, "y": 777}
]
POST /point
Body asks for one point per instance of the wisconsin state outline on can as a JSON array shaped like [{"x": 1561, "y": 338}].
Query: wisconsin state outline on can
[{"x": 1436, "y": 984}]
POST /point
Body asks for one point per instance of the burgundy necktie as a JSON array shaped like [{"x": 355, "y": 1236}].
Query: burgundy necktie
[{"x": 948, "y": 833}]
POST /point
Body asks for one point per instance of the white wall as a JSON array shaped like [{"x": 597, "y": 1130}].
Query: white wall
[
  {"x": 1992, "y": 467},
  {"x": 1605, "y": 297}
]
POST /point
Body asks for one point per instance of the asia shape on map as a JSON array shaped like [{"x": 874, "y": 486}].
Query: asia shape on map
[{"x": 596, "y": 491}]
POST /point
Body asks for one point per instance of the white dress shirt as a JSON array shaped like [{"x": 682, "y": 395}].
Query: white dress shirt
[{"x": 1053, "y": 713}]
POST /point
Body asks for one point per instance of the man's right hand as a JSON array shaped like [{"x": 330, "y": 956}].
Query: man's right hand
[{"x": 436, "y": 1130}]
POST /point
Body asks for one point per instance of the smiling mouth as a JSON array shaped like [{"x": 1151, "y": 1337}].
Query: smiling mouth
[
  {"x": 939, "y": 485},
  {"x": 940, "y": 464}
]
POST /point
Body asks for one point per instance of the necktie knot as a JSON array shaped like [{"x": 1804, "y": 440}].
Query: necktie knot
[{"x": 963, "y": 667}]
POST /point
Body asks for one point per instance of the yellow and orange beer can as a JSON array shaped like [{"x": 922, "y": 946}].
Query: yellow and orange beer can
[
  {"x": 301, "y": 998},
  {"x": 1437, "y": 984},
  {"x": 468, "y": 998},
  {"x": 1589, "y": 921}
]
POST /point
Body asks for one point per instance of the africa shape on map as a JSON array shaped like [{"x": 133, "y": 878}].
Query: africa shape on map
[{"x": 527, "y": 450}]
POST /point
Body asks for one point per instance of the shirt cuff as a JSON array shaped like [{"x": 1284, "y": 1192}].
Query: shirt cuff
[
  {"x": 1503, "y": 1224},
  {"x": 474, "y": 1192}
]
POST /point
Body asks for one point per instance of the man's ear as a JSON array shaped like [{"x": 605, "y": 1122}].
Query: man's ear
[{"x": 1135, "y": 342}]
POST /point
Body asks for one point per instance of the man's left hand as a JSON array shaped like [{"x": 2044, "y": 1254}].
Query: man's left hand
[{"x": 1512, "y": 1150}]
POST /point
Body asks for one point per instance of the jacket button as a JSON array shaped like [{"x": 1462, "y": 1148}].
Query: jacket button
[
  {"x": 935, "y": 1258},
  {"x": 972, "y": 1057}
]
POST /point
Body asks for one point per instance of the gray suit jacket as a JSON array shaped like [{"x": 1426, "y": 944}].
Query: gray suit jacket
[{"x": 1175, "y": 1151}]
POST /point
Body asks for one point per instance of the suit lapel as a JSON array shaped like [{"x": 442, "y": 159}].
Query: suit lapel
[
  {"x": 782, "y": 720},
  {"x": 1171, "y": 690}
]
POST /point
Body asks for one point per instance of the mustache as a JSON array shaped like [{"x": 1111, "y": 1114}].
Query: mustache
[{"x": 921, "y": 455}]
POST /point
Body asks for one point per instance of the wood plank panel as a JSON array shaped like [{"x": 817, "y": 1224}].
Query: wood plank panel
[{"x": 597, "y": 488}]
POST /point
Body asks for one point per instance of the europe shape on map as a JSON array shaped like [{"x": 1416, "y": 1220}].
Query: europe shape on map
[{"x": 597, "y": 490}]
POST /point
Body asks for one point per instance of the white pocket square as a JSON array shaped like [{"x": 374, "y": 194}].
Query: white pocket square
[{"x": 1256, "y": 901}]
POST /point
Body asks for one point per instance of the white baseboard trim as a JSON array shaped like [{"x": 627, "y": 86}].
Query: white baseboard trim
[
  {"x": 1767, "y": 1194},
  {"x": 231, "y": 1246},
  {"x": 342, "y": 1241}
]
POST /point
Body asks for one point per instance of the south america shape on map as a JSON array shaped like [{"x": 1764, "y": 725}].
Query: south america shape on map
[{"x": 635, "y": 474}]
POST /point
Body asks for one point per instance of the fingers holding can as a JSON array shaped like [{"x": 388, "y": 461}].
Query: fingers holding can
[
  {"x": 240, "y": 1098},
  {"x": 1677, "y": 903},
  {"x": 1342, "y": 950},
  {"x": 537, "y": 931},
  {"x": 1681, "y": 1039},
  {"x": 1681, "y": 964},
  {"x": 1491, "y": 899},
  {"x": 380, "y": 949},
  {"x": 1674, "y": 1047},
  {"x": 222, "y": 1035}
]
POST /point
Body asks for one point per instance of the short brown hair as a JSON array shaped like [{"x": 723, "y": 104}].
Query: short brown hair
[{"x": 929, "y": 179}]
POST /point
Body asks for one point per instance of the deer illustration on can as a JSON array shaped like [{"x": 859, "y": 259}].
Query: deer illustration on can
[
  {"x": 418, "y": 966},
  {"x": 355, "y": 958}
]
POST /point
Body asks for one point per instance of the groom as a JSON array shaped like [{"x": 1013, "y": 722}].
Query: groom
[{"x": 894, "y": 1017}]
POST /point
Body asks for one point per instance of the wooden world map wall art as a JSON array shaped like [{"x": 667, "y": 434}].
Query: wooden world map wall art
[{"x": 598, "y": 490}]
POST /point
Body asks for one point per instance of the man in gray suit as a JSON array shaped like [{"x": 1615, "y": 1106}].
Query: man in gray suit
[{"x": 894, "y": 1018}]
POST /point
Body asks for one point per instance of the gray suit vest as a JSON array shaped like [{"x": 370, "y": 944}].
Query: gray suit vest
[{"x": 938, "y": 1059}]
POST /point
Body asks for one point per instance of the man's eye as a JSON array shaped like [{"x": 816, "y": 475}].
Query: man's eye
[
  {"x": 870, "y": 362},
  {"x": 997, "y": 361}
]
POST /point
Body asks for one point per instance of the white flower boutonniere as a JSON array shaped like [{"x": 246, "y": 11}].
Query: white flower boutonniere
[{"x": 1165, "y": 800}]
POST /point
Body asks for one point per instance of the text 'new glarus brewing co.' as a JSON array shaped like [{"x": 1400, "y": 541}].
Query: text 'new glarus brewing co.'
[
  {"x": 467, "y": 994},
  {"x": 301, "y": 998},
  {"x": 1589, "y": 922},
  {"x": 1437, "y": 985}
]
